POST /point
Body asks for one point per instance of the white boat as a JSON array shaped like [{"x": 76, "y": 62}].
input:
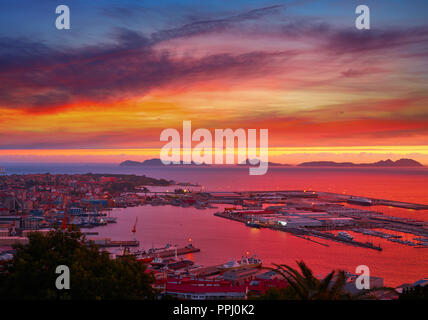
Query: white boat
[
  {"x": 244, "y": 262},
  {"x": 110, "y": 219},
  {"x": 345, "y": 235}
]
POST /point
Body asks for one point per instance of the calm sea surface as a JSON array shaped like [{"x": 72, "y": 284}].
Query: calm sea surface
[{"x": 220, "y": 240}]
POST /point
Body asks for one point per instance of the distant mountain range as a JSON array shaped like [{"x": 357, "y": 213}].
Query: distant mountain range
[
  {"x": 158, "y": 162},
  {"x": 383, "y": 163}
]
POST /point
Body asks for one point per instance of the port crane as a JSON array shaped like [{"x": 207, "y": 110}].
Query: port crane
[{"x": 134, "y": 229}]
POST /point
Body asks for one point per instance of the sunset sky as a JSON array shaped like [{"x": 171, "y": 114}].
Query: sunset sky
[{"x": 104, "y": 90}]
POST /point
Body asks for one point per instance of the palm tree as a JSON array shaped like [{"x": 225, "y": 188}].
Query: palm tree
[{"x": 303, "y": 285}]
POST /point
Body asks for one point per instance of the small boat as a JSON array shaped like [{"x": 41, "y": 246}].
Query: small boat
[
  {"x": 244, "y": 262},
  {"x": 171, "y": 264},
  {"x": 360, "y": 201},
  {"x": 156, "y": 250},
  {"x": 145, "y": 259},
  {"x": 157, "y": 262},
  {"x": 110, "y": 219},
  {"x": 252, "y": 224},
  {"x": 345, "y": 235},
  {"x": 139, "y": 256}
]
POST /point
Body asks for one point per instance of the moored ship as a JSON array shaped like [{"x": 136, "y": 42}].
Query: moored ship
[
  {"x": 359, "y": 201},
  {"x": 344, "y": 235},
  {"x": 244, "y": 262}
]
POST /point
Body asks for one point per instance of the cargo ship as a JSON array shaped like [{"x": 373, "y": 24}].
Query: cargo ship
[
  {"x": 169, "y": 251},
  {"x": 171, "y": 264}
]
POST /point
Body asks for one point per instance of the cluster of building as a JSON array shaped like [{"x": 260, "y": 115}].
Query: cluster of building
[
  {"x": 39, "y": 202},
  {"x": 245, "y": 283},
  {"x": 234, "y": 284},
  {"x": 42, "y": 201}
]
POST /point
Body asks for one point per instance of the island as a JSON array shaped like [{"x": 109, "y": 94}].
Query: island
[
  {"x": 157, "y": 163},
  {"x": 383, "y": 163},
  {"x": 402, "y": 163}
]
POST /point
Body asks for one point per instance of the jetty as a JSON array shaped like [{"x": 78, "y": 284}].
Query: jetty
[
  {"x": 174, "y": 251},
  {"x": 107, "y": 242}
]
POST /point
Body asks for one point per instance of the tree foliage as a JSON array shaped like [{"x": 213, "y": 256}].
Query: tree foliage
[
  {"x": 416, "y": 293},
  {"x": 303, "y": 285},
  {"x": 93, "y": 275}
]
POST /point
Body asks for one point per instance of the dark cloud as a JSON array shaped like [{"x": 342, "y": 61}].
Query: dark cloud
[
  {"x": 200, "y": 27},
  {"x": 354, "y": 73},
  {"x": 103, "y": 73},
  {"x": 357, "y": 41},
  {"x": 37, "y": 77}
]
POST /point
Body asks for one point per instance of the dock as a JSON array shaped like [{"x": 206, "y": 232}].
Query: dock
[
  {"x": 107, "y": 243},
  {"x": 305, "y": 233},
  {"x": 330, "y": 236},
  {"x": 375, "y": 201},
  {"x": 171, "y": 252},
  {"x": 207, "y": 271}
]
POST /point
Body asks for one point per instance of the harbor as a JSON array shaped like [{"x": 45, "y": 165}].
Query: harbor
[
  {"x": 292, "y": 212},
  {"x": 277, "y": 226}
]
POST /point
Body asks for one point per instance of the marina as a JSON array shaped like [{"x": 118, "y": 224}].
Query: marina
[{"x": 325, "y": 212}]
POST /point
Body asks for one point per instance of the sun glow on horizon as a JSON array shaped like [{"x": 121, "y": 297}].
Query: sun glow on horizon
[{"x": 286, "y": 155}]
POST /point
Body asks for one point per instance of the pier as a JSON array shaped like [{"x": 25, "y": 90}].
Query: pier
[
  {"x": 377, "y": 202},
  {"x": 172, "y": 252},
  {"x": 304, "y": 233},
  {"x": 107, "y": 242}
]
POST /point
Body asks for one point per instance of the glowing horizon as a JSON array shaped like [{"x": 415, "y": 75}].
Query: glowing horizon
[
  {"x": 290, "y": 155},
  {"x": 323, "y": 89}
]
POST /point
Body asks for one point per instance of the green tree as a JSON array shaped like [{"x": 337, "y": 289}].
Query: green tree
[
  {"x": 303, "y": 285},
  {"x": 93, "y": 275}
]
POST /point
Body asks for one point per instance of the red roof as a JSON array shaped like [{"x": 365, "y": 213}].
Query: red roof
[
  {"x": 188, "y": 288},
  {"x": 261, "y": 285}
]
